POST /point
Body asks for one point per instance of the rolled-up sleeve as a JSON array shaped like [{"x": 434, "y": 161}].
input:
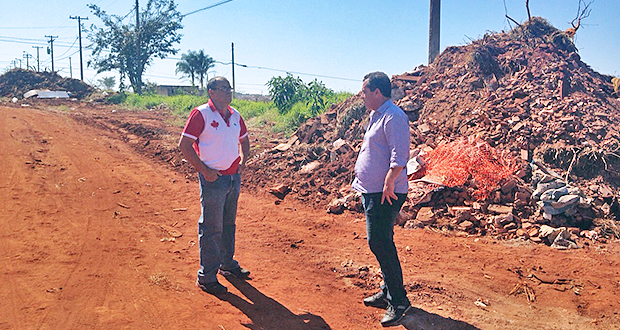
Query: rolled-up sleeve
[{"x": 397, "y": 134}]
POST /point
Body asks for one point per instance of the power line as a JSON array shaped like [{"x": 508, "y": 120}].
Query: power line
[
  {"x": 272, "y": 69},
  {"x": 29, "y": 41},
  {"x": 208, "y": 7},
  {"x": 32, "y": 27},
  {"x": 68, "y": 56},
  {"x": 301, "y": 73},
  {"x": 68, "y": 50},
  {"x": 129, "y": 13}
]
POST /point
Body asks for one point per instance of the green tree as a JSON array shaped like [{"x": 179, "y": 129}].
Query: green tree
[
  {"x": 195, "y": 64},
  {"x": 205, "y": 63},
  {"x": 285, "y": 92},
  {"x": 131, "y": 50},
  {"x": 315, "y": 95},
  {"x": 186, "y": 66},
  {"x": 107, "y": 83}
]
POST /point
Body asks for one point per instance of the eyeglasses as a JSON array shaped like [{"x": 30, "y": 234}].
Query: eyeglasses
[{"x": 223, "y": 89}]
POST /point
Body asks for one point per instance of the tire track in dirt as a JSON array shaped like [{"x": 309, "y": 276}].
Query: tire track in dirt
[{"x": 13, "y": 132}]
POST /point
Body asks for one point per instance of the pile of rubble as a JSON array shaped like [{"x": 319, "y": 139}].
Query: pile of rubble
[
  {"x": 526, "y": 93},
  {"x": 17, "y": 82}
]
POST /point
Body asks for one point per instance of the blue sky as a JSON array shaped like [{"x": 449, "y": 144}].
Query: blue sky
[{"x": 335, "y": 41}]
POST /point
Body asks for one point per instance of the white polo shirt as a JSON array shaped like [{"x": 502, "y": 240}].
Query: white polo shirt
[{"x": 216, "y": 141}]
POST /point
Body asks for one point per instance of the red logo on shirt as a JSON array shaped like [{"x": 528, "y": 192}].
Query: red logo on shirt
[{"x": 215, "y": 124}]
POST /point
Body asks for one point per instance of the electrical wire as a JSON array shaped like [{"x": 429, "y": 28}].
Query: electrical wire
[
  {"x": 32, "y": 41},
  {"x": 60, "y": 57},
  {"x": 301, "y": 73},
  {"x": 208, "y": 7},
  {"x": 272, "y": 69},
  {"x": 32, "y": 27}
]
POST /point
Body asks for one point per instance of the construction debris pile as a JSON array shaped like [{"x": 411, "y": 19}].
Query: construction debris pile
[
  {"x": 523, "y": 97},
  {"x": 17, "y": 82}
]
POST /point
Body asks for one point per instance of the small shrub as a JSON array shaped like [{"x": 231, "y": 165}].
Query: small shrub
[{"x": 116, "y": 98}]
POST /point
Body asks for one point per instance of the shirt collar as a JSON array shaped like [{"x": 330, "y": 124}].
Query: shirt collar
[
  {"x": 384, "y": 106},
  {"x": 214, "y": 108}
]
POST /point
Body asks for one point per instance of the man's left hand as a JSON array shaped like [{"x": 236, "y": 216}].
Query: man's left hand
[{"x": 388, "y": 193}]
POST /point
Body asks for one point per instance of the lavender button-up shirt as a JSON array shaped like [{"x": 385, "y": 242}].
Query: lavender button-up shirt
[{"x": 385, "y": 146}]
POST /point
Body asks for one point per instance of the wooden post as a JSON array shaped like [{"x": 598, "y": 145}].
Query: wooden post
[{"x": 434, "y": 26}]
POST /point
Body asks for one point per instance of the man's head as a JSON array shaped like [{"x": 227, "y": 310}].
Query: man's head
[
  {"x": 219, "y": 91},
  {"x": 376, "y": 89}
]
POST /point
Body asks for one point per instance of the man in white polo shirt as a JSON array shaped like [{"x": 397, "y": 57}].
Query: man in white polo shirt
[{"x": 215, "y": 142}]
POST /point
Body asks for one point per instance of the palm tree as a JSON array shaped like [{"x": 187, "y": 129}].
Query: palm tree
[
  {"x": 203, "y": 64},
  {"x": 195, "y": 64},
  {"x": 187, "y": 66}
]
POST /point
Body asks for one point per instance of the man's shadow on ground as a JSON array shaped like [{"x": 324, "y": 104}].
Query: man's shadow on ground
[
  {"x": 266, "y": 313},
  {"x": 418, "y": 319}
]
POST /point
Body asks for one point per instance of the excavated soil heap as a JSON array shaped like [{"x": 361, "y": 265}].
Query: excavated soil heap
[
  {"x": 524, "y": 92},
  {"x": 16, "y": 82}
]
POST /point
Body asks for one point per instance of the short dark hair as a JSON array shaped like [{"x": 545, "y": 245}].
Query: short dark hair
[
  {"x": 215, "y": 81},
  {"x": 379, "y": 80}
]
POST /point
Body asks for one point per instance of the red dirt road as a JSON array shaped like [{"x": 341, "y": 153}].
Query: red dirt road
[{"x": 87, "y": 243}]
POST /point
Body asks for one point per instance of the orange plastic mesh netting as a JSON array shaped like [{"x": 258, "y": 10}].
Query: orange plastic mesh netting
[{"x": 454, "y": 163}]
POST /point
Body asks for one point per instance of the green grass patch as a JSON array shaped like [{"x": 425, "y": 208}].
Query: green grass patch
[{"x": 256, "y": 114}]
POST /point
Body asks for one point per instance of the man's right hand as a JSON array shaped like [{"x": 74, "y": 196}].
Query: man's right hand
[{"x": 210, "y": 174}]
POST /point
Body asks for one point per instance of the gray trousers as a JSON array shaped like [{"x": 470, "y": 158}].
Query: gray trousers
[{"x": 216, "y": 226}]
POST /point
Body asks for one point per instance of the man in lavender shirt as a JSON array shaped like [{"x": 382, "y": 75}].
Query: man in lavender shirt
[{"x": 382, "y": 180}]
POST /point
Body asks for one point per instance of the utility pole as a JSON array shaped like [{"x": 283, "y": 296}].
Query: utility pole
[
  {"x": 71, "y": 70},
  {"x": 27, "y": 56},
  {"x": 138, "y": 49},
  {"x": 233, "y": 68},
  {"x": 433, "y": 31},
  {"x": 20, "y": 62},
  {"x": 38, "y": 47},
  {"x": 51, "y": 49},
  {"x": 80, "y": 37}
]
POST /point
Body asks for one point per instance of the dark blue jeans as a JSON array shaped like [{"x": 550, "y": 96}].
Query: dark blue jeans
[
  {"x": 216, "y": 227},
  {"x": 380, "y": 220}
]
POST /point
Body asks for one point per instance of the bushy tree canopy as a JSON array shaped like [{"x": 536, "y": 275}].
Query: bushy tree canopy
[
  {"x": 130, "y": 50},
  {"x": 287, "y": 91}
]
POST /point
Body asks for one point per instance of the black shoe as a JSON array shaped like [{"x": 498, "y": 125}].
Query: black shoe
[
  {"x": 394, "y": 314},
  {"x": 238, "y": 272},
  {"x": 214, "y": 288},
  {"x": 377, "y": 300}
]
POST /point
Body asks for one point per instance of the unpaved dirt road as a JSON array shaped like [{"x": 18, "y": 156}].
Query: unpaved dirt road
[{"x": 88, "y": 242}]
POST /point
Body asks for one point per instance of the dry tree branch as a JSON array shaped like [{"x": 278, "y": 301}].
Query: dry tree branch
[
  {"x": 581, "y": 14},
  {"x": 570, "y": 167},
  {"x": 605, "y": 162},
  {"x": 527, "y": 6},
  {"x": 510, "y": 18}
]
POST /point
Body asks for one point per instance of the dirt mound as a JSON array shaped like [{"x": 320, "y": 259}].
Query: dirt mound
[
  {"x": 519, "y": 94},
  {"x": 315, "y": 164},
  {"x": 525, "y": 92},
  {"x": 16, "y": 82}
]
